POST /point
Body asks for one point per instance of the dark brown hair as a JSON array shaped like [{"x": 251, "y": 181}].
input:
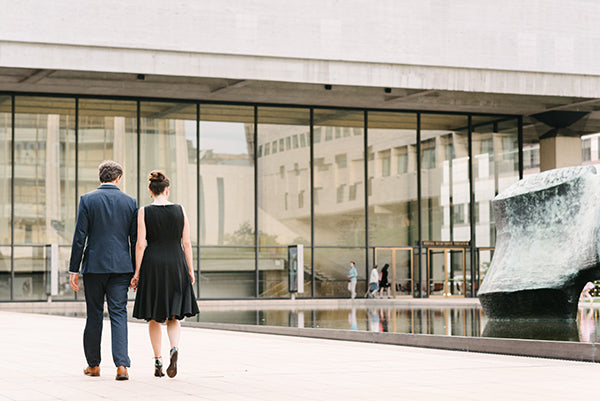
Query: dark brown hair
[
  {"x": 158, "y": 182},
  {"x": 109, "y": 170}
]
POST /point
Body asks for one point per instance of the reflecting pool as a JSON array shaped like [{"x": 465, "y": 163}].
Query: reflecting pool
[
  {"x": 467, "y": 322},
  {"x": 464, "y": 321}
]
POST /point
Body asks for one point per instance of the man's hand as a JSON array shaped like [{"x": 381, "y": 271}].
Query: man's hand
[{"x": 74, "y": 281}]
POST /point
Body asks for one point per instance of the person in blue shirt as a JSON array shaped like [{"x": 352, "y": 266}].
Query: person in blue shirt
[{"x": 352, "y": 276}]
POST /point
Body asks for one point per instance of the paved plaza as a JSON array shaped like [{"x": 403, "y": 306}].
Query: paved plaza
[{"x": 42, "y": 359}]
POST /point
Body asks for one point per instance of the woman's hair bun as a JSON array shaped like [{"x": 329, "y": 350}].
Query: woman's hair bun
[
  {"x": 157, "y": 176},
  {"x": 158, "y": 182}
]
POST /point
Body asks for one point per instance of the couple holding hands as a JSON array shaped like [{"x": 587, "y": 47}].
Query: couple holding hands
[{"x": 148, "y": 250}]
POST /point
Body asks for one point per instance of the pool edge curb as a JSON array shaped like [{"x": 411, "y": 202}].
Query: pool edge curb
[{"x": 584, "y": 352}]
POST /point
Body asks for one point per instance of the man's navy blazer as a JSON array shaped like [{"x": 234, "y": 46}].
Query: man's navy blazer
[{"x": 107, "y": 219}]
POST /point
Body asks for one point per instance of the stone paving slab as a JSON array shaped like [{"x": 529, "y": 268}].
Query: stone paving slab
[{"x": 42, "y": 359}]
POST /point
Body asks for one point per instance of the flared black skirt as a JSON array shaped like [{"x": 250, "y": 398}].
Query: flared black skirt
[{"x": 165, "y": 289}]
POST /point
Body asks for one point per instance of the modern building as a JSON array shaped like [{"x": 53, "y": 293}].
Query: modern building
[{"x": 372, "y": 132}]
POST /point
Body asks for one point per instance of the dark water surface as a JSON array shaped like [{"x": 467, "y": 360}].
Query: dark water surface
[
  {"x": 434, "y": 320},
  {"x": 466, "y": 322}
]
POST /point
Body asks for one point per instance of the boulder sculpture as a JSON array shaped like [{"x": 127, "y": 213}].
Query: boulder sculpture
[{"x": 547, "y": 245}]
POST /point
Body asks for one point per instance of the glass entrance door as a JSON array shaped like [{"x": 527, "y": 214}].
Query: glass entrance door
[
  {"x": 484, "y": 260},
  {"x": 400, "y": 272},
  {"x": 446, "y": 271}
]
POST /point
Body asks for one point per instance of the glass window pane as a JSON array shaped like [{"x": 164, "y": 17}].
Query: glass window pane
[
  {"x": 283, "y": 194},
  {"x": 226, "y": 197},
  {"x": 5, "y": 171},
  {"x": 444, "y": 177},
  {"x": 590, "y": 149},
  {"x": 495, "y": 168},
  {"x": 393, "y": 214},
  {"x": 31, "y": 278},
  {"x": 586, "y": 148},
  {"x": 331, "y": 271},
  {"x": 64, "y": 288},
  {"x": 531, "y": 150},
  {"x": 5, "y": 273},
  {"x": 227, "y": 272},
  {"x": 107, "y": 131},
  {"x": 168, "y": 143},
  {"x": 339, "y": 199},
  {"x": 44, "y": 170},
  {"x": 274, "y": 273},
  {"x": 286, "y": 172},
  {"x": 226, "y": 175}
]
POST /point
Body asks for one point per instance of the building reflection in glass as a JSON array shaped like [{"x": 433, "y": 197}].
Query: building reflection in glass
[
  {"x": 226, "y": 202},
  {"x": 250, "y": 194}
]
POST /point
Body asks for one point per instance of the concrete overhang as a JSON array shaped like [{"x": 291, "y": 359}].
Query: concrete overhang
[{"x": 236, "y": 89}]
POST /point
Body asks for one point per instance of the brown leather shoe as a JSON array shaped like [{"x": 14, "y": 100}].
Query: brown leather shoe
[
  {"x": 92, "y": 371},
  {"x": 122, "y": 373}
]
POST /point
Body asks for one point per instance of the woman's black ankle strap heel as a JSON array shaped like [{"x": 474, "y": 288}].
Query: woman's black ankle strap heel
[
  {"x": 158, "y": 371},
  {"x": 172, "y": 369}
]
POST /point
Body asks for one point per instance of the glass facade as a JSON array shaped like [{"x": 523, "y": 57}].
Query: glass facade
[
  {"x": 409, "y": 189},
  {"x": 6, "y": 172}
]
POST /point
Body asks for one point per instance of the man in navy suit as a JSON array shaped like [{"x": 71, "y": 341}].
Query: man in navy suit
[{"x": 107, "y": 219}]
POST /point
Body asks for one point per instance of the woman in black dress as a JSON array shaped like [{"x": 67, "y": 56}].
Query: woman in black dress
[
  {"x": 164, "y": 271},
  {"x": 384, "y": 282}
]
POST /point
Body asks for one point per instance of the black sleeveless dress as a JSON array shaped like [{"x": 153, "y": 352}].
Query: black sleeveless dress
[{"x": 164, "y": 287}]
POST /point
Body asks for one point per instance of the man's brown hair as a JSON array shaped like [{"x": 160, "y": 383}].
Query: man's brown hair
[{"x": 109, "y": 170}]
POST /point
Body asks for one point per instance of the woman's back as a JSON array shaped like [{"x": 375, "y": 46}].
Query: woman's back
[{"x": 164, "y": 223}]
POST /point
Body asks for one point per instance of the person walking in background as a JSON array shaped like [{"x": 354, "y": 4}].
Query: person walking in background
[
  {"x": 384, "y": 282},
  {"x": 373, "y": 283},
  {"x": 352, "y": 319},
  {"x": 373, "y": 320},
  {"x": 352, "y": 277},
  {"x": 587, "y": 324},
  {"x": 105, "y": 234},
  {"x": 585, "y": 293},
  {"x": 384, "y": 318},
  {"x": 164, "y": 271}
]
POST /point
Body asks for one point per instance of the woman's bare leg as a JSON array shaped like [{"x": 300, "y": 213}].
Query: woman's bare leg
[
  {"x": 174, "y": 332},
  {"x": 155, "y": 332}
]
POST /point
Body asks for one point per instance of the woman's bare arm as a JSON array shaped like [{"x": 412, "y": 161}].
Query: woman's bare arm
[
  {"x": 186, "y": 243},
  {"x": 140, "y": 246}
]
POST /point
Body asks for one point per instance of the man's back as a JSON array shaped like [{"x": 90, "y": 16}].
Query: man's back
[
  {"x": 107, "y": 218},
  {"x": 105, "y": 236}
]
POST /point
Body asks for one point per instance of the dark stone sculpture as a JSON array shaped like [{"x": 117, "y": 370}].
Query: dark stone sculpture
[
  {"x": 533, "y": 329},
  {"x": 547, "y": 245}
]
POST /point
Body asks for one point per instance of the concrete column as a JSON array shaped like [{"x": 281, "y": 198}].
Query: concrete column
[
  {"x": 560, "y": 151},
  {"x": 561, "y": 146}
]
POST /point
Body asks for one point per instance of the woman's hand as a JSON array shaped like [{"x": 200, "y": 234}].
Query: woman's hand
[
  {"x": 134, "y": 282},
  {"x": 192, "y": 277}
]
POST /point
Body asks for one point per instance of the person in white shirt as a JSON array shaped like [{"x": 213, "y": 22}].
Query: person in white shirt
[{"x": 373, "y": 282}]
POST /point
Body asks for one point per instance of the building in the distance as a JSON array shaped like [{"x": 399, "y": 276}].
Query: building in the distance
[{"x": 372, "y": 132}]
